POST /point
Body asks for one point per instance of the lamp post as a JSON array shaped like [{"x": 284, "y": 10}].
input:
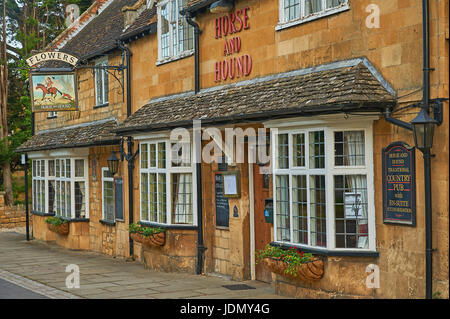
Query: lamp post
[{"x": 423, "y": 129}]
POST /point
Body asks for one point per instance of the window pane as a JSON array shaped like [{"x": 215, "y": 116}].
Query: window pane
[
  {"x": 51, "y": 168},
  {"x": 80, "y": 205},
  {"x": 144, "y": 196},
  {"x": 312, "y": 6},
  {"x": 34, "y": 168},
  {"x": 165, "y": 40},
  {"x": 68, "y": 168},
  {"x": 282, "y": 202},
  {"x": 51, "y": 196},
  {"x": 162, "y": 194},
  {"x": 316, "y": 149},
  {"x": 181, "y": 154},
  {"x": 318, "y": 219},
  {"x": 68, "y": 199},
  {"x": 162, "y": 155},
  {"x": 300, "y": 209},
  {"x": 42, "y": 171},
  {"x": 79, "y": 168},
  {"x": 153, "y": 198},
  {"x": 349, "y": 148},
  {"x": 182, "y": 209},
  {"x": 335, "y": 3},
  {"x": 291, "y": 9},
  {"x": 144, "y": 155},
  {"x": 108, "y": 200},
  {"x": 57, "y": 168},
  {"x": 350, "y": 204},
  {"x": 283, "y": 151},
  {"x": 152, "y": 155},
  {"x": 298, "y": 143}
]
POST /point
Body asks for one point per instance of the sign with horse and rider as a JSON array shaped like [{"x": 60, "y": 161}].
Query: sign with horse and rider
[{"x": 53, "y": 91}]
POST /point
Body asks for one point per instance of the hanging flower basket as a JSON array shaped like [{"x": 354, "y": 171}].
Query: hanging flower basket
[
  {"x": 291, "y": 263},
  {"x": 158, "y": 239},
  {"x": 309, "y": 271},
  {"x": 62, "y": 229},
  {"x": 150, "y": 236}
]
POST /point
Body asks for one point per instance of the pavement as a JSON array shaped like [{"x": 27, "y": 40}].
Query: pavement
[{"x": 37, "y": 269}]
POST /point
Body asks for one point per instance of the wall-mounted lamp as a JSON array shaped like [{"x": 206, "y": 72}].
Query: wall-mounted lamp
[
  {"x": 423, "y": 129},
  {"x": 221, "y": 6},
  {"x": 113, "y": 163}
]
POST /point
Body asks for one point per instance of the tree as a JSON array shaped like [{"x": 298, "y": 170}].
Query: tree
[{"x": 26, "y": 26}]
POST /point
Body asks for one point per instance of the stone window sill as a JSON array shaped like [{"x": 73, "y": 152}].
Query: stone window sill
[
  {"x": 183, "y": 55},
  {"x": 149, "y": 224},
  {"x": 331, "y": 253},
  {"x": 42, "y": 214},
  {"x": 101, "y": 105},
  {"x": 107, "y": 222}
]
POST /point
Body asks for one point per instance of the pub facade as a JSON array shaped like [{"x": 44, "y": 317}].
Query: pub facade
[{"x": 242, "y": 124}]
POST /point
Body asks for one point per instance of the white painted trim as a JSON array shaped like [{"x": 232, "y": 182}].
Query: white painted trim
[
  {"x": 105, "y": 179},
  {"x": 329, "y": 171},
  {"x": 282, "y": 24},
  {"x": 251, "y": 198}
]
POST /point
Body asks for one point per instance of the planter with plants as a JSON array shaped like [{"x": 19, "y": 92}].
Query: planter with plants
[
  {"x": 291, "y": 263},
  {"x": 58, "y": 225},
  {"x": 150, "y": 236}
]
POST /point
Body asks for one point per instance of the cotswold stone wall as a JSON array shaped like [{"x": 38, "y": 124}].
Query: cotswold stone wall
[{"x": 11, "y": 216}]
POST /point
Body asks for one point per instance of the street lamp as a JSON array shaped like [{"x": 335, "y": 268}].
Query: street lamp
[
  {"x": 423, "y": 129},
  {"x": 113, "y": 163}
]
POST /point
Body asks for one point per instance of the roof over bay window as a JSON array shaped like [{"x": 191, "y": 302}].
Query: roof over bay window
[{"x": 344, "y": 86}]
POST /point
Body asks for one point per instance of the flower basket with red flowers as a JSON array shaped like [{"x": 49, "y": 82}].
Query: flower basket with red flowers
[{"x": 291, "y": 263}]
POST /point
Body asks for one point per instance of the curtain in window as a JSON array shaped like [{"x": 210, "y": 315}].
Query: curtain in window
[
  {"x": 354, "y": 144},
  {"x": 182, "y": 201},
  {"x": 313, "y": 6},
  {"x": 282, "y": 202}
]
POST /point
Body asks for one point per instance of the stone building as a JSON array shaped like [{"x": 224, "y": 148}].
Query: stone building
[{"x": 316, "y": 83}]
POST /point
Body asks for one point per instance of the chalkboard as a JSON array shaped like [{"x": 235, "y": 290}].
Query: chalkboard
[
  {"x": 118, "y": 194},
  {"x": 399, "y": 184},
  {"x": 222, "y": 207}
]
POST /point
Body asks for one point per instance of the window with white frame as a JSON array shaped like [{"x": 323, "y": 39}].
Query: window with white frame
[
  {"x": 297, "y": 11},
  {"x": 101, "y": 83},
  {"x": 175, "y": 35},
  {"x": 107, "y": 195},
  {"x": 322, "y": 187},
  {"x": 166, "y": 184},
  {"x": 60, "y": 187}
]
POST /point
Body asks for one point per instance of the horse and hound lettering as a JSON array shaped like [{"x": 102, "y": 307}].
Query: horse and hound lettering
[{"x": 53, "y": 92}]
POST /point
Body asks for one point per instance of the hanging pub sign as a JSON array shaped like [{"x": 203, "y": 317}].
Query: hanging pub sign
[
  {"x": 399, "y": 184},
  {"x": 53, "y": 91},
  {"x": 51, "y": 56}
]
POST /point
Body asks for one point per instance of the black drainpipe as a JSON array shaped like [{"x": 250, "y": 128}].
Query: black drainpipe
[
  {"x": 427, "y": 154},
  {"x": 197, "y": 33},
  {"x": 130, "y": 160},
  {"x": 198, "y": 166}
]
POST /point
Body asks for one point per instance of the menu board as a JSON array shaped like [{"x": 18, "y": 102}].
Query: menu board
[
  {"x": 222, "y": 207},
  {"x": 399, "y": 184}
]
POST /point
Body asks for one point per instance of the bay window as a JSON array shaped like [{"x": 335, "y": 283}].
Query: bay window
[
  {"x": 166, "y": 184},
  {"x": 60, "y": 187},
  {"x": 293, "y": 12},
  {"x": 175, "y": 35},
  {"x": 323, "y": 188}
]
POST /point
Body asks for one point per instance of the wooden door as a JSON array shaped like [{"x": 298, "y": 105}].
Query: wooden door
[{"x": 262, "y": 229}]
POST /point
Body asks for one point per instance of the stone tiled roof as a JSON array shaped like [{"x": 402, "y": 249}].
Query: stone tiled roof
[
  {"x": 197, "y": 4},
  {"x": 147, "y": 17},
  {"x": 329, "y": 88},
  {"x": 89, "y": 134},
  {"x": 101, "y": 33}
]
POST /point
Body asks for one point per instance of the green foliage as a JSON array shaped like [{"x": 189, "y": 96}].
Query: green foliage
[
  {"x": 437, "y": 295},
  {"x": 56, "y": 221},
  {"x": 293, "y": 257},
  {"x": 144, "y": 230}
]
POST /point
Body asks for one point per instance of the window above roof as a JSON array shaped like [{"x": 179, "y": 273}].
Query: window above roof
[{"x": 294, "y": 12}]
